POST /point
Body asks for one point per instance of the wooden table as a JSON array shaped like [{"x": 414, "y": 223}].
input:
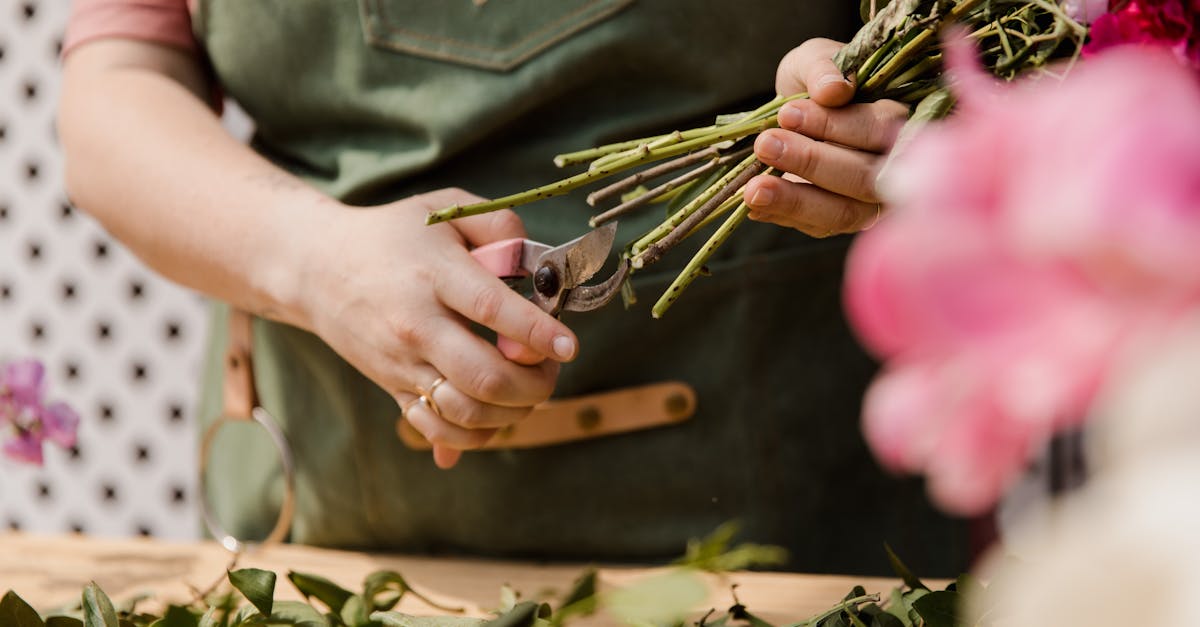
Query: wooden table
[{"x": 50, "y": 572}]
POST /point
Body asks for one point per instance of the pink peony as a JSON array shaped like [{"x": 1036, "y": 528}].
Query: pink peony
[
  {"x": 1168, "y": 23},
  {"x": 1031, "y": 235}
]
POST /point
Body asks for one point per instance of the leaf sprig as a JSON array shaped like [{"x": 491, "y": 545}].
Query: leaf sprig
[
  {"x": 660, "y": 600},
  {"x": 896, "y": 55}
]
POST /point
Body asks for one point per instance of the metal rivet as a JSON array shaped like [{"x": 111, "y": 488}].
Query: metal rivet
[
  {"x": 588, "y": 418},
  {"x": 545, "y": 281},
  {"x": 677, "y": 405}
]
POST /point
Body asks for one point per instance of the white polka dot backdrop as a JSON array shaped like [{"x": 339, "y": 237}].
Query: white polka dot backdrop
[{"x": 121, "y": 345}]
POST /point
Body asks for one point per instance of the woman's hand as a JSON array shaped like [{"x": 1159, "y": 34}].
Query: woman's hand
[
  {"x": 395, "y": 298},
  {"x": 829, "y": 150}
]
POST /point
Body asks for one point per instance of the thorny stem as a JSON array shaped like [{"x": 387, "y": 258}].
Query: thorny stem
[{"x": 746, "y": 170}]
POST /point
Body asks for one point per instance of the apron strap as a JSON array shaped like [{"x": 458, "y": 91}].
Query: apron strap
[{"x": 240, "y": 396}]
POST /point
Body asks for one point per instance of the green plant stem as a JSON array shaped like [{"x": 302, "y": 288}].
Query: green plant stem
[
  {"x": 591, "y": 154},
  {"x": 651, "y": 195},
  {"x": 732, "y": 202},
  {"x": 557, "y": 188},
  {"x": 661, "y": 191},
  {"x": 675, "y": 219},
  {"x": 630, "y": 182},
  {"x": 742, "y": 173},
  {"x": 913, "y": 50},
  {"x": 840, "y": 607},
  {"x": 695, "y": 267},
  {"x": 673, "y": 137}
]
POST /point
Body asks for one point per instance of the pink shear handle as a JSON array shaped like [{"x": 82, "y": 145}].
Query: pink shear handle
[{"x": 503, "y": 259}]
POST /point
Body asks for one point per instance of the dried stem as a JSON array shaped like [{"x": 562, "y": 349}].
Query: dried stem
[
  {"x": 746, "y": 170},
  {"x": 661, "y": 191},
  {"x": 630, "y": 182}
]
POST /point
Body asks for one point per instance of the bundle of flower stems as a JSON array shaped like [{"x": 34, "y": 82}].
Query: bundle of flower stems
[{"x": 701, "y": 172}]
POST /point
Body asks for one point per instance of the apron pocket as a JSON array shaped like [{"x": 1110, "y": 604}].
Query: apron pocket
[{"x": 494, "y": 35}]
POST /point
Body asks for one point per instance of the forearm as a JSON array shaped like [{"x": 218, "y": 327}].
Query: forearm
[{"x": 148, "y": 158}]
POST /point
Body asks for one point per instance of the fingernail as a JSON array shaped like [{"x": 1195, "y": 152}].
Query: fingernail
[
  {"x": 564, "y": 347},
  {"x": 769, "y": 148},
  {"x": 791, "y": 117},
  {"x": 762, "y": 197},
  {"x": 830, "y": 79}
]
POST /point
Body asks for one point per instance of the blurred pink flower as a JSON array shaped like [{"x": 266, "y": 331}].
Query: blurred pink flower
[
  {"x": 21, "y": 381},
  {"x": 1085, "y": 11},
  {"x": 23, "y": 414},
  {"x": 1168, "y": 23},
  {"x": 25, "y": 447},
  {"x": 1030, "y": 236}
]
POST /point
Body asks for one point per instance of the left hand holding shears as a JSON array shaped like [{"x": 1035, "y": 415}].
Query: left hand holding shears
[{"x": 557, "y": 275}]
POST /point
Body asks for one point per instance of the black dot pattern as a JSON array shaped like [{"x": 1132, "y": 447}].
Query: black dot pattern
[{"x": 121, "y": 345}]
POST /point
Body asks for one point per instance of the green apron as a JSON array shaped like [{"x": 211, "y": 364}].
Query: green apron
[{"x": 377, "y": 100}]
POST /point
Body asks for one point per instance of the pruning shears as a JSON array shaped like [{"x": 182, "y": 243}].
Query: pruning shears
[{"x": 558, "y": 272}]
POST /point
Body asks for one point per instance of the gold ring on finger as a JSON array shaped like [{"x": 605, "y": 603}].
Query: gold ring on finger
[{"x": 878, "y": 214}]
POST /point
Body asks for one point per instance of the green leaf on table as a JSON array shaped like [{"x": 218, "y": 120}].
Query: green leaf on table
[
  {"x": 659, "y": 599},
  {"x": 896, "y": 607},
  {"x": 324, "y": 590},
  {"x": 257, "y": 585},
  {"x": 209, "y": 619},
  {"x": 16, "y": 612},
  {"x": 396, "y": 619},
  {"x": 968, "y": 586},
  {"x": 177, "y": 616},
  {"x": 355, "y": 612},
  {"x": 523, "y": 614},
  {"x": 885, "y": 619},
  {"x": 855, "y": 620},
  {"x": 938, "y": 609},
  {"x": 297, "y": 613},
  {"x": 580, "y": 600},
  {"x": 384, "y": 580},
  {"x": 902, "y": 571},
  {"x": 714, "y": 553},
  {"x": 246, "y": 615},
  {"x": 98, "y": 609}
]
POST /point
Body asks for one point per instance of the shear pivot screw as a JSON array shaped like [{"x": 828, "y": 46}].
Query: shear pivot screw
[{"x": 545, "y": 281}]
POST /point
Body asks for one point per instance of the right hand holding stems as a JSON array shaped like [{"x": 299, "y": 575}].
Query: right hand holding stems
[
  {"x": 830, "y": 150},
  {"x": 395, "y": 298}
]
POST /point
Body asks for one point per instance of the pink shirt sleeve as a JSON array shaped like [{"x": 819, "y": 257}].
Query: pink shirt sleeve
[{"x": 165, "y": 22}]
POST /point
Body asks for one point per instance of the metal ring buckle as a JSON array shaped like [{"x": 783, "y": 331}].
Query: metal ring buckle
[{"x": 287, "y": 508}]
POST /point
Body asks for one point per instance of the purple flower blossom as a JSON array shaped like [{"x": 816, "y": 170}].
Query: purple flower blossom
[{"x": 23, "y": 416}]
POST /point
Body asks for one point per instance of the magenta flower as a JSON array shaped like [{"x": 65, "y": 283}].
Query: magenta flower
[
  {"x": 1033, "y": 235},
  {"x": 21, "y": 382},
  {"x": 1168, "y": 23},
  {"x": 23, "y": 414}
]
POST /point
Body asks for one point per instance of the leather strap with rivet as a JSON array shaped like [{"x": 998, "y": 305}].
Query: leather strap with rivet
[
  {"x": 583, "y": 417},
  {"x": 240, "y": 404}
]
